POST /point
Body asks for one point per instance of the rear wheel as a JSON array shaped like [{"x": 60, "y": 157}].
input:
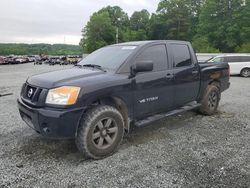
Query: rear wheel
[
  {"x": 210, "y": 100},
  {"x": 245, "y": 72},
  {"x": 100, "y": 132}
]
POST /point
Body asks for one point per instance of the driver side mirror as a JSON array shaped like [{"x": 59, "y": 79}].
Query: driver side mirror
[{"x": 142, "y": 67}]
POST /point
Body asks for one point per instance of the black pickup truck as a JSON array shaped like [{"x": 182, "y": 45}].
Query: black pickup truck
[{"x": 119, "y": 86}]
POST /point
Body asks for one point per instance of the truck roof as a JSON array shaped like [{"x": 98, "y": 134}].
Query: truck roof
[{"x": 141, "y": 43}]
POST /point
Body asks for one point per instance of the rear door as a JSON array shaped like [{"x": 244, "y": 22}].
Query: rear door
[
  {"x": 153, "y": 92},
  {"x": 186, "y": 74}
]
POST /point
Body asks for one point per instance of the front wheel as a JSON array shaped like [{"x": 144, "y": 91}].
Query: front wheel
[
  {"x": 210, "y": 100},
  {"x": 245, "y": 72},
  {"x": 100, "y": 132}
]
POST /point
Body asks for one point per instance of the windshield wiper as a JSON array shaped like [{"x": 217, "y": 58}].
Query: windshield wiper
[{"x": 92, "y": 66}]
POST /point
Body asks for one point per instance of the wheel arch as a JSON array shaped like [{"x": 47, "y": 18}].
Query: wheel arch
[
  {"x": 216, "y": 83},
  {"x": 204, "y": 86},
  {"x": 244, "y": 68},
  {"x": 115, "y": 102}
]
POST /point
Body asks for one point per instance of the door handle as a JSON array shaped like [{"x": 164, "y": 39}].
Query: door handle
[{"x": 195, "y": 72}]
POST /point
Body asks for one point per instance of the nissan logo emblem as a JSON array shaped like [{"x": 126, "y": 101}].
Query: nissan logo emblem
[{"x": 30, "y": 92}]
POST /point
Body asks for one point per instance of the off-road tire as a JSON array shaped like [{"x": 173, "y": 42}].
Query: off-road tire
[
  {"x": 210, "y": 100},
  {"x": 90, "y": 123},
  {"x": 245, "y": 72}
]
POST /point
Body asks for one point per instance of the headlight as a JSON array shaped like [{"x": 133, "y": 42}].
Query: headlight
[{"x": 65, "y": 95}]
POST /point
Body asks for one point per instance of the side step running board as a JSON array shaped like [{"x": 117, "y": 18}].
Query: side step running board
[{"x": 157, "y": 117}]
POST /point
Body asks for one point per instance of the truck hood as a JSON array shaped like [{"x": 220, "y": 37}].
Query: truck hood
[{"x": 58, "y": 78}]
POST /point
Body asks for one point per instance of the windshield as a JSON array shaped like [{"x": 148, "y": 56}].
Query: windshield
[{"x": 109, "y": 57}]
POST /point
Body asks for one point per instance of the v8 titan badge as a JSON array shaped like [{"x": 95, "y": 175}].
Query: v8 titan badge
[{"x": 151, "y": 99}]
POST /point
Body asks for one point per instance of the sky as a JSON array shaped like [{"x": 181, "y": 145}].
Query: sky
[{"x": 55, "y": 21}]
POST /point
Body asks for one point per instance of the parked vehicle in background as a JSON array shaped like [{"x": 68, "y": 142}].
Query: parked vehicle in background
[
  {"x": 31, "y": 58},
  {"x": 11, "y": 59},
  {"x": 3, "y": 61},
  {"x": 38, "y": 61},
  {"x": 54, "y": 60},
  {"x": 239, "y": 64},
  {"x": 64, "y": 61},
  {"x": 119, "y": 86},
  {"x": 73, "y": 59},
  {"x": 44, "y": 58},
  {"x": 20, "y": 60}
]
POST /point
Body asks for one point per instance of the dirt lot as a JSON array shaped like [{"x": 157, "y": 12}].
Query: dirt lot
[{"x": 188, "y": 150}]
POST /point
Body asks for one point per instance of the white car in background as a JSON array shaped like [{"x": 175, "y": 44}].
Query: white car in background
[{"x": 239, "y": 64}]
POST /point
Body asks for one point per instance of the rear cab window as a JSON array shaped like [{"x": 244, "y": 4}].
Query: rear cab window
[{"x": 181, "y": 55}]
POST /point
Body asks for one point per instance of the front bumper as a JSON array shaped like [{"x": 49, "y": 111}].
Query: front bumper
[{"x": 52, "y": 123}]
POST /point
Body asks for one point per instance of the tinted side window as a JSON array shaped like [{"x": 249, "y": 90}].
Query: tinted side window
[
  {"x": 232, "y": 59},
  {"x": 181, "y": 54},
  {"x": 156, "y": 54},
  {"x": 245, "y": 58}
]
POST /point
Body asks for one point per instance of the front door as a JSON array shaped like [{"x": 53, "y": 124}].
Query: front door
[{"x": 153, "y": 91}]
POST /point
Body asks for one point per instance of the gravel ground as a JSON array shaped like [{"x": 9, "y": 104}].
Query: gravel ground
[{"x": 188, "y": 150}]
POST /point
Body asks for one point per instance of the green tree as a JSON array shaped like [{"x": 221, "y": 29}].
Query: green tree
[
  {"x": 195, "y": 7},
  {"x": 244, "y": 48},
  {"x": 242, "y": 19},
  {"x": 176, "y": 17},
  {"x": 139, "y": 25},
  {"x": 201, "y": 45},
  {"x": 101, "y": 28},
  {"x": 139, "y": 20},
  {"x": 211, "y": 25},
  {"x": 224, "y": 23},
  {"x": 119, "y": 19},
  {"x": 36, "y": 49},
  {"x": 157, "y": 27},
  {"x": 98, "y": 32}
]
